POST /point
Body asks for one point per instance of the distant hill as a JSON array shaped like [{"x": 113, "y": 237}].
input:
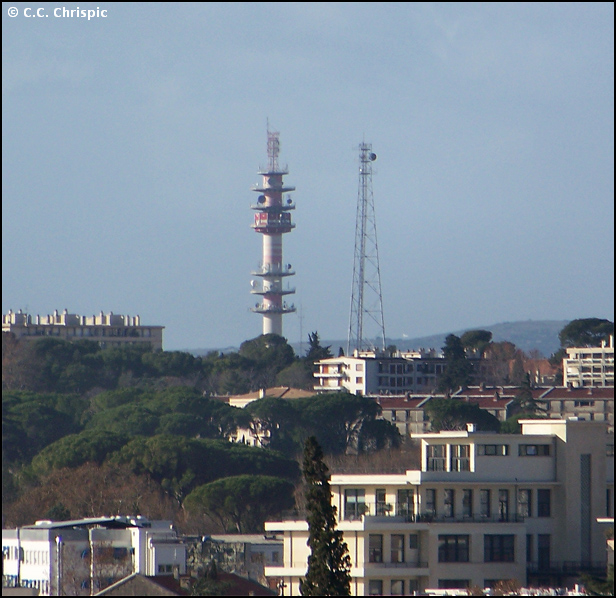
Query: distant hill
[{"x": 528, "y": 335}]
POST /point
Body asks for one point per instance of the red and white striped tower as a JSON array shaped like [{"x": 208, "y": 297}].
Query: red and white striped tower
[{"x": 272, "y": 220}]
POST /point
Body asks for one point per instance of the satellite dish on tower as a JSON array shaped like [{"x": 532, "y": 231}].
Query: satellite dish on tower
[{"x": 372, "y": 157}]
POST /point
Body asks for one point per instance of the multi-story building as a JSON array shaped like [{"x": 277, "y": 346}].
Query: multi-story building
[
  {"x": 406, "y": 412},
  {"x": 589, "y": 366},
  {"x": 243, "y": 554},
  {"x": 590, "y": 403},
  {"x": 483, "y": 508},
  {"x": 369, "y": 372},
  {"x": 77, "y": 557},
  {"x": 108, "y": 330}
]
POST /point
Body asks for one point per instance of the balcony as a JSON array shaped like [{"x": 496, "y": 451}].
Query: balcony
[
  {"x": 274, "y": 270},
  {"x": 262, "y": 308},
  {"x": 361, "y": 511},
  {"x": 273, "y": 289}
]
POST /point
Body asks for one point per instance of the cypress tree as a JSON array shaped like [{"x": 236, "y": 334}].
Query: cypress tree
[{"x": 329, "y": 564}]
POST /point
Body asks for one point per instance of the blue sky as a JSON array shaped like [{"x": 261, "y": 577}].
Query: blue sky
[{"x": 130, "y": 144}]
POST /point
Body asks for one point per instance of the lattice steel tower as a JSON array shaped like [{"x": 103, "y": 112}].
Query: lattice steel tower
[
  {"x": 272, "y": 220},
  {"x": 366, "y": 296}
]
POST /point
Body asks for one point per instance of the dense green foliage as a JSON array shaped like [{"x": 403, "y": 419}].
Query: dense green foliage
[
  {"x": 329, "y": 563},
  {"x": 454, "y": 414},
  {"x": 458, "y": 371},
  {"x": 242, "y": 503},
  {"x": 586, "y": 332}
]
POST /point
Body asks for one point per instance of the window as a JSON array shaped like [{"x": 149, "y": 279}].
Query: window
[
  {"x": 534, "y": 450},
  {"x": 397, "y": 587},
  {"x": 406, "y": 503},
  {"x": 375, "y": 548},
  {"x": 498, "y": 548},
  {"x": 503, "y": 505},
  {"x": 375, "y": 587},
  {"x": 460, "y": 457},
  {"x": 381, "y": 505},
  {"x": 467, "y": 503},
  {"x": 529, "y": 548},
  {"x": 430, "y": 501},
  {"x": 413, "y": 541},
  {"x": 493, "y": 450},
  {"x": 524, "y": 503},
  {"x": 453, "y": 548},
  {"x": 543, "y": 550},
  {"x": 484, "y": 503},
  {"x": 397, "y": 548},
  {"x": 543, "y": 503},
  {"x": 354, "y": 503},
  {"x": 436, "y": 457},
  {"x": 449, "y": 500}
]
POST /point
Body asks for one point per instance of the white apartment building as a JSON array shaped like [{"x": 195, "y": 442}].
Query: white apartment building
[
  {"x": 589, "y": 366},
  {"x": 375, "y": 373},
  {"x": 108, "y": 330},
  {"x": 483, "y": 508},
  {"x": 83, "y": 556}
]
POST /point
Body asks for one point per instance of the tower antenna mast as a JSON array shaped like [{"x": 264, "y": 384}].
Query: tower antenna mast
[
  {"x": 366, "y": 296},
  {"x": 272, "y": 219}
]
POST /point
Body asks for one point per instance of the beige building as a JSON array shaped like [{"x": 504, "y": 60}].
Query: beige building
[
  {"x": 108, "y": 330},
  {"x": 484, "y": 507},
  {"x": 589, "y": 366}
]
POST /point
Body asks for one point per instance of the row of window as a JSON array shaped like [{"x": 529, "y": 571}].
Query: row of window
[
  {"x": 452, "y": 548},
  {"x": 456, "y": 457},
  {"x": 492, "y": 503},
  {"x": 397, "y": 587}
]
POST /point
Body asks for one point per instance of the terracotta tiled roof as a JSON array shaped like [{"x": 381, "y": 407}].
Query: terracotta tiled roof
[{"x": 565, "y": 393}]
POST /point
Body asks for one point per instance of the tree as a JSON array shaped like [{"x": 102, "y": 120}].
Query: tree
[
  {"x": 458, "y": 371},
  {"x": 454, "y": 414},
  {"x": 242, "y": 503},
  {"x": 586, "y": 332},
  {"x": 329, "y": 564},
  {"x": 525, "y": 401},
  {"x": 476, "y": 339},
  {"x": 315, "y": 351}
]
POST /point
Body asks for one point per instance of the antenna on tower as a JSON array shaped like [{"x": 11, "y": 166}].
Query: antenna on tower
[
  {"x": 366, "y": 296},
  {"x": 273, "y": 148}
]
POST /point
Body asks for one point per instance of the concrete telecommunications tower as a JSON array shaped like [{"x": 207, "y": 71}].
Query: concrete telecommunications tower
[{"x": 272, "y": 220}]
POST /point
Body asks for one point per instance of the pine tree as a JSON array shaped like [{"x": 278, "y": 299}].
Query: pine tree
[{"x": 329, "y": 564}]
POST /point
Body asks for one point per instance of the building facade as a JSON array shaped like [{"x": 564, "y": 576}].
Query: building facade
[
  {"x": 373, "y": 373},
  {"x": 108, "y": 330},
  {"x": 589, "y": 366},
  {"x": 83, "y": 556},
  {"x": 483, "y": 508}
]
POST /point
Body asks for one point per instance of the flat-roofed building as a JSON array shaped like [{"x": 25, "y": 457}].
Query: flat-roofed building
[
  {"x": 589, "y": 366},
  {"x": 82, "y": 556},
  {"x": 483, "y": 508},
  {"x": 593, "y": 403},
  {"x": 379, "y": 372},
  {"x": 108, "y": 330}
]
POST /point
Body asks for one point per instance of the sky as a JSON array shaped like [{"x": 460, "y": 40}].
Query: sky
[{"x": 131, "y": 142}]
